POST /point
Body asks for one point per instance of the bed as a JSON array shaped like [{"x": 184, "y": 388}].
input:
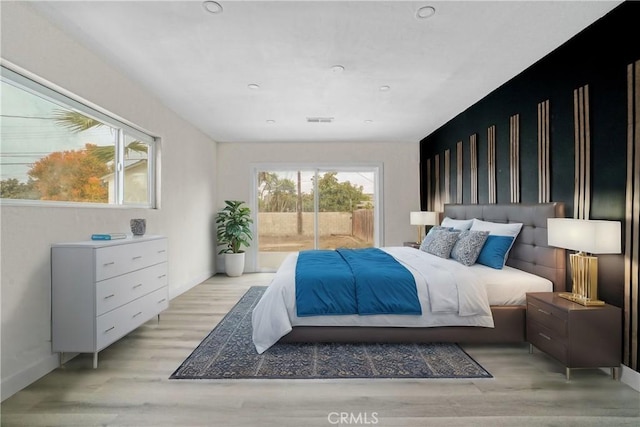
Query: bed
[{"x": 531, "y": 265}]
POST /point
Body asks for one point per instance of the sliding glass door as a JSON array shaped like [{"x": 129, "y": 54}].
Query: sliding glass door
[{"x": 314, "y": 208}]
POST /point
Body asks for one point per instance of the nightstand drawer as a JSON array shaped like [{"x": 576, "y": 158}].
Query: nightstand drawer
[
  {"x": 550, "y": 317},
  {"x": 547, "y": 341}
]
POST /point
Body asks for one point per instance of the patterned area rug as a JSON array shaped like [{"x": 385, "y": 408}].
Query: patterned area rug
[{"x": 228, "y": 352}]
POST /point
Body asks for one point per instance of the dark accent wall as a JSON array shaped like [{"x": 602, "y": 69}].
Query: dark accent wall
[{"x": 597, "y": 57}]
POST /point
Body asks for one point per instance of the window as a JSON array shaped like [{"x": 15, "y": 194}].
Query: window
[{"x": 56, "y": 149}]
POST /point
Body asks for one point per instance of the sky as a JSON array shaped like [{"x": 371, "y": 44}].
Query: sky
[
  {"x": 365, "y": 179},
  {"x": 28, "y": 132}
]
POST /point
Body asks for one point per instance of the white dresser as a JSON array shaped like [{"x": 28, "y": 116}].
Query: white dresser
[{"x": 102, "y": 290}]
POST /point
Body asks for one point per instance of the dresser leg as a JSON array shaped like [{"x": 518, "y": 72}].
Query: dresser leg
[
  {"x": 568, "y": 373},
  {"x": 615, "y": 373},
  {"x": 95, "y": 360},
  {"x": 530, "y": 348}
]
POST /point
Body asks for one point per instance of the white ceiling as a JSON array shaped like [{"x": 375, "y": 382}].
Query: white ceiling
[{"x": 200, "y": 64}]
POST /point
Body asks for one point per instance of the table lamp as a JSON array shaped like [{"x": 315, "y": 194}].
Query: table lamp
[
  {"x": 423, "y": 218},
  {"x": 587, "y": 237}
]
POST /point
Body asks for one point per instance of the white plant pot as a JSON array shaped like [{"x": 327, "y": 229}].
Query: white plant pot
[{"x": 234, "y": 264}]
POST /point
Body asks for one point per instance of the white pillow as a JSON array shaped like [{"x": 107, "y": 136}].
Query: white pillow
[
  {"x": 458, "y": 224},
  {"x": 498, "y": 229}
]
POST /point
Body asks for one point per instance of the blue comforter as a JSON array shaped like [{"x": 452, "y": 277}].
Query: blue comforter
[{"x": 353, "y": 281}]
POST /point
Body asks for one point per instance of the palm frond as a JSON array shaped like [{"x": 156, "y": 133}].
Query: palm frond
[
  {"x": 105, "y": 153},
  {"x": 137, "y": 146},
  {"x": 74, "y": 121}
]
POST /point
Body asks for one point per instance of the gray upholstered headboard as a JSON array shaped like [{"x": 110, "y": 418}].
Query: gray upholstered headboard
[{"x": 530, "y": 251}]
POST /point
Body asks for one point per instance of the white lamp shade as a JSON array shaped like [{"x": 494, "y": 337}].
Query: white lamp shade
[
  {"x": 591, "y": 236},
  {"x": 424, "y": 218}
]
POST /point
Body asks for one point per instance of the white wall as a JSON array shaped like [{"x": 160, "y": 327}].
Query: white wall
[
  {"x": 400, "y": 161},
  {"x": 188, "y": 194}
]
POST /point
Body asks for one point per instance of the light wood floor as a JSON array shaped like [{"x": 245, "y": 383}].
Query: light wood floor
[{"x": 131, "y": 386}]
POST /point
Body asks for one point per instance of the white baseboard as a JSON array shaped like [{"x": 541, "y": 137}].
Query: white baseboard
[
  {"x": 190, "y": 284},
  {"x": 31, "y": 374},
  {"x": 630, "y": 377}
]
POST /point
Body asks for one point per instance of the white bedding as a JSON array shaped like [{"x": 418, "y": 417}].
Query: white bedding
[{"x": 454, "y": 295}]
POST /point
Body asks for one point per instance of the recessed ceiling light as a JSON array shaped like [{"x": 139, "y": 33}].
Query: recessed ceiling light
[
  {"x": 425, "y": 12},
  {"x": 368, "y": 121},
  {"x": 271, "y": 122},
  {"x": 212, "y": 6},
  {"x": 337, "y": 68},
  {"x": 253, "y": 86},
  {"x": 384, "y": 88}
]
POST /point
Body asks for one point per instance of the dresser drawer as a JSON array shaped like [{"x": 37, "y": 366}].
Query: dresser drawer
[
  {"x": 553, "y": 319},
  {"x": 546, "y": 340},
  {"x": 114, "y": 292},
  {"x": 115, "y": 324},
  {"x": 157, "y": 301},
  {"x": 112, "y": 261}
]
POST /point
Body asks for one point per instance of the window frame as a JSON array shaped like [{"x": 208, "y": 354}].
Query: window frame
[{"x": 37, "y": 86}]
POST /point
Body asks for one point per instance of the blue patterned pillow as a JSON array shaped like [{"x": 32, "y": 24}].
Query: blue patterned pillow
[
  {"x": 468, "y": 246},
  {"x": 429, "y": 237},
  {"x": 442, "y": 242}
]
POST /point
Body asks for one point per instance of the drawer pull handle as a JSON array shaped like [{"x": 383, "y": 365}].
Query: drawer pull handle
[
  {"x": 137, "y": 314},
  {"x": 108, "y": 263},
  {"x": 544, "y": 336},
  {"x": 162, "y": 300},
  {"x": 110, "y": 329},
  {"x": 109, "y": 296},
  {"x": 136, "y": 257},
  {"x": 544, "y": 312},
  {"x": 160, "y": 277},
  {"x": 137, "y": 286},
  {"x": 162, "y": 251}
]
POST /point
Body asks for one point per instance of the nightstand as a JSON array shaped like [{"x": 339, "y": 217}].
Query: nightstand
[
  {"x": 412, "y": 244},
  {"x": 577, "y": 336}
]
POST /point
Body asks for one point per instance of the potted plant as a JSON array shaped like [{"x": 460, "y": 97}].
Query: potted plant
[{"x": 233, "y": 232}]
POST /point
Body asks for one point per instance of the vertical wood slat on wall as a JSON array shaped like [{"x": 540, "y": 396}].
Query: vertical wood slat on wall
[
  {"x": 544, "y": 181},
  {"x": 514, "y": 157},
  {"x": 491, "y": 163},
  {"x": 582, "y": 136},
  {"x": 437, "y": 202},
  {"x": 473, "y": 148},
  {"x": 447, "y": 176},
  {"x": 429, "y": 194},
  {"x": 632, "y": 219},
  {"x": 459, "y": 172}
]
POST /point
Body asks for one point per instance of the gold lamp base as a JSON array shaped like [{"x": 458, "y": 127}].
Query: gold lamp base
[
  {"x": 580, "y": 299},
  {"x": 584, "y": 273}
]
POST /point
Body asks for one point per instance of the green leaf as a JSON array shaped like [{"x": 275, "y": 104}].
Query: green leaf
[{"x": 233, "y": 230}]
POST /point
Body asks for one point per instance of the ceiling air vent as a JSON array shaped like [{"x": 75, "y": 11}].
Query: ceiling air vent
[{"x": 319, "y": 119}]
